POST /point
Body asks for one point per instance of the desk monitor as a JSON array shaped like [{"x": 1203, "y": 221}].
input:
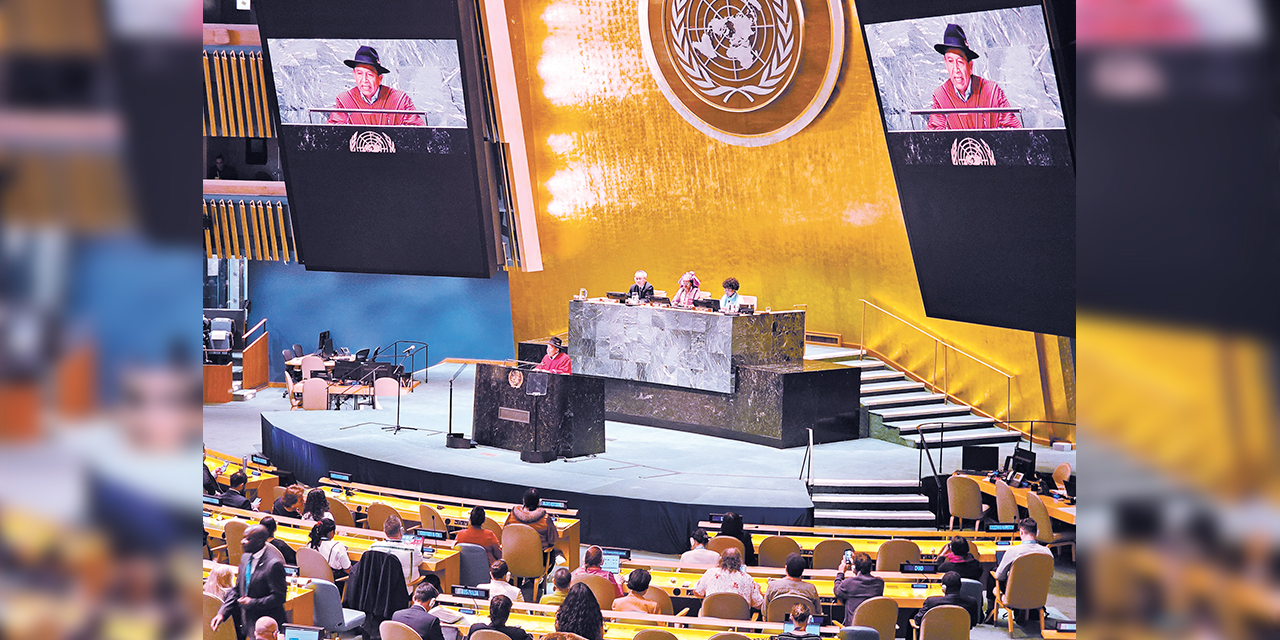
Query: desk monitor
[
  {"x": 477, "y": 593},
  {"x": 340, "y": 476},
  {"x": 616, "y": 295},
  {"x": 1024, "y": 462},
  {"x": 980, "y": 458},
  {"x": 712, "y": 304},
  {"x": 717, "y": 517},
  {"x": 613, "y": 557},
  {"x": 551, "y": 503},
  {"x": 262, "y": 460},
  {"x": 746, "y": 309},
  {"x": 660, "y": 300},
  {"x": 918, "y": 567},
  {"x": 325, "y": 340},
  {"x": 300, "y": 632},
  {"x": 1001, "y": 527},
  {"x": 213, "y": 500}
]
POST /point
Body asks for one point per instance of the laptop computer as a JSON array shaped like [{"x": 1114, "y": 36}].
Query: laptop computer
[
  {"x": 815, "y": 623},
  {"x": 300, "y": 632}
]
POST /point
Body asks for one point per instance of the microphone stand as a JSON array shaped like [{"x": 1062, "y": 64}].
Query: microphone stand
[
  {"x": 394, "y": 428},
  {"x": 456, "y": 440}
]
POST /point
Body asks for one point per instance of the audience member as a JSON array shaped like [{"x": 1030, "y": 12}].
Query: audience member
[
  {"x": 956, "y": 557},
  {"x": 409, "y": 555},
  {"x": 732, "y": 527},
  {"x": 266, "y": 628},
  {"x": 951, "y": 595},
  {"x": 501, "y": 583},
  {"x": 234, "y": 496},
  {"x": 729, "y": 576},
  {"x": 221, "y": 170},
  {"x": 220, "y": 580},
  {"x": 698, "y": 552},
  {"x": 334, "y": 551},
  {"x": 290, "y": 556},
  {"x": 561, "y": 578},
  {"x": 858, "y": 588},
  {"x": 289, "y": 505},
  {"x": 417, "y": 616},
  {"x": 316, "y": 508},
  {"x": 478, "y": 535},
  {"x": 637, "y": 584},
  {"x": 1027, "y": 530},
  {"x": 800, "y": 622},
  {"x": 591, "y": 565},
  {"x": 261, "y": 586},
  {"x": 499, "y": 611},
  {"x": 211, "y": 487},
  {"x": 531, "y": 514},
  {"x": 580, "y": 613},
  {"x": 793, "y": 583}
]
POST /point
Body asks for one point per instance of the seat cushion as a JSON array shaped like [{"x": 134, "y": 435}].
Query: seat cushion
[{"x": 351, "y": 618}]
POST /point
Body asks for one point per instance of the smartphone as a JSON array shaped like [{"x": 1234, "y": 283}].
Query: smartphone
[{"x": 848, "y": 556}]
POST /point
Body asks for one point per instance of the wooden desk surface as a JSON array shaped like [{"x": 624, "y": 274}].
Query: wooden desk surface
[
  {"x": 1058, "y": 509},
  {"x": 297, "y": 362},
  {"x": 679, "y": 584},
  {"x": 983, "y": 550}
]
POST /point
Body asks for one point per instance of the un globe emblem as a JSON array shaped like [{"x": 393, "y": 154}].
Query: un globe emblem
[{"x": 745, "y": 72}]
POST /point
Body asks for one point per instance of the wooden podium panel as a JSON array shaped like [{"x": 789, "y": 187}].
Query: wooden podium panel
[{"x": 217, "y": 383}]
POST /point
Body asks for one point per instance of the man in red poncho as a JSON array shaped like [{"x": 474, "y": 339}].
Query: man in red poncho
[
  {"x": 963, "y": 90},
  {"x": 370, "y": 94}
]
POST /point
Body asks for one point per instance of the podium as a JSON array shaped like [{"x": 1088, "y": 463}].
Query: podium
[{"x": 512, "y": 412}]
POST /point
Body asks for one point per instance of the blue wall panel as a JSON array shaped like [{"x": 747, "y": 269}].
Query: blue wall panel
[{"x": 456, "y": 317}]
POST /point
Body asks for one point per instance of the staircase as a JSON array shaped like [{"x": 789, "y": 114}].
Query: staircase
[
  {"x": 905, "y": 412},
  {"x": 895, "y": 504},
  {"x": 238, "y": 392}
]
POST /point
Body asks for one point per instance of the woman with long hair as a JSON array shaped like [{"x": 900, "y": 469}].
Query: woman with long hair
[
  {"x": 334, "y": 551},
  {"x": 580, "y": 613},
  {"x": 316, "y": 508},
  {"x": 729, "y": 576},
  {"x": 732, "y": 527},
  {"x": 221, "y": 579}
]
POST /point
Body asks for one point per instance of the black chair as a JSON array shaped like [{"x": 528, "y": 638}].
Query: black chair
[
  {"x": 362, "y": 355},
  {"x": 297, "y": 351},
  {"x": 374, "y": 357}
]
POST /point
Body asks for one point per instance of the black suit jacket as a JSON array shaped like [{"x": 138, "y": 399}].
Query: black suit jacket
[
  {"x": 515, "y": 633},
  {"x": 267, "y": 592},
  {"x": 644, "y": 293},
  {"x": 955, "y": 599},
  {"x": 427, "y": 625},
  {"x": 232, "y": 498}
]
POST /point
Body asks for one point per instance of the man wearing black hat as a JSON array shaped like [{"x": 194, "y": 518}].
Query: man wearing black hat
[
  {"x": 556, "y": 360},
  {"x": 963, "y": 90},
  {"x": 370, "y": 94}
]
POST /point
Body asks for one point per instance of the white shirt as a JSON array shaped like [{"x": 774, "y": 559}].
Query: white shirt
[
  {"x": 410, "y": 556},
  {"x": 1017, "y": 551},
  {"x": 336, "y": 553},
  {"x": 504, "y": 588},
  {"x": 701, "y": 555}
]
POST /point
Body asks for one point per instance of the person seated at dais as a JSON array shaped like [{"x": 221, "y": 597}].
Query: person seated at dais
[
  {"x": 557, "y": 358},
  {"x": 641, "y": 290},
  {"x": 686, "y": 290},
  {"x": 730, "y": 300}
]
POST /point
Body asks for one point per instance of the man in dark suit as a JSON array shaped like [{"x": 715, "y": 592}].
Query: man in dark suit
[
  {"x": 260, "y": 589},
  {"x": 234, "y": 497},
  {"x": 416, "y": 616},
  {"x": 857, "y": 588},
  {"x": 950, "y": 595}
]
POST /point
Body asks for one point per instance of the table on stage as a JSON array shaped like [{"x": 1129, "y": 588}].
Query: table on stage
[
  {"x": 358, "y": 394},
  {"x": 1058, "y": 509}
]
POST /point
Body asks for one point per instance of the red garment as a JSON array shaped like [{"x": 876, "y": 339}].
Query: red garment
[
  {"x": 558, "y": 364},
  {"x": 983, "y": 94},
  {"x": 482, "y": 537},
  {"x": 388, "y": 98}
]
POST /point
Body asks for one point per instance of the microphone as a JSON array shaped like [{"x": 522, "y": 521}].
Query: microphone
[{"x": 410, "y": 350}]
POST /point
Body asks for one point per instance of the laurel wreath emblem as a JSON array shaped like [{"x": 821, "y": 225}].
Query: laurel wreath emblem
[
  {"x": 775, "y": 67},
  {"x": 971, "y": 152},
  {"x": 372, "y": 142}
]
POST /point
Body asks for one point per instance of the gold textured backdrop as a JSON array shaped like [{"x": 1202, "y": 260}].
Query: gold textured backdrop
[{"x": 623, "y": 183}]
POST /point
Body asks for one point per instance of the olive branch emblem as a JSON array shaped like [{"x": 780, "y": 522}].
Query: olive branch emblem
[{"x": 775, "y": 67}]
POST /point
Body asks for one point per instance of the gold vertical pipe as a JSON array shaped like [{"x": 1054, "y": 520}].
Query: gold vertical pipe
[
  {"x": 253, "y": 224},
  {"x": 262, "y": 97},
  {"x": 236, "y": 106},
  {"x": 258, "y": 230},
  {"x": 208, "y": 240},
  {"x": 248, "y": 239},
  {"x": 224, "y": 240},
  {"x": 220, "y": 70},
  {"x": 293, "y": 239},
  {"x": 229, "y": 96},
  {"x": 271, "y": 226},
  {"x": 284, "y": 231},
  {"x": 208, "y": 91},
  {"x": 250, "y": 127},
  {"x": 262, "y": 224},
  {"x": 227, "y": 232}
]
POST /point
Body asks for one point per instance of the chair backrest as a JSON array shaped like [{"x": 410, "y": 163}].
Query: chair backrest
[
  {"x": 384, "y": 387},
  {"x": 660, "y": 293},
  {"x": 1028, "y": 585},
  {"x": 313, "y": 564},
  {"x": 879, "y": 613},
  {"x": 226, "y": 631},
  {"x": 780, "y": 607},
  {"x": 341, "y": 514},
  {"x": 828, "y": 553},
  {"x": 893, "y": 553},
  {"x": 309, "y": 364},
  {"x": 297, "y": 351},
  {"x": 703, "y": 294},
  {"x": 492, "y": 525},
  {"x": 522, "y": 549},
  {"x": 376, "y": 515},
  {"x": 233, "y": 533},
  {"x": 1061, "y": 474},
  {"x": 729, "y": 606},
  {"x": 728, "y": 635},
  {"x": 315, "y": 394},
  {"x": 489, "y": 634},
  {"x": 277, "y": 492},
  {"x": 858, "y": 633},
  {"x": 646, "y": 634},
  {"x": 973, "y": 589},
  {"x": 654, "y": 594},
  {"x": 362, "y": 355},
  {"x": 392, "y": 630},
  {"x": 473, "y": 564},
  {"x": 327, "y": 606},
  {"x": 945, "y": 622},
  {"x": 964, "y": 498},
  {"x": 287, "y": 354},
  {"x": 1006, "y": 503},
  {"x": 1038, "y": 512},
  {"x": 774, "y": 550},
  {"x": 719, "y": 543},
  {"x": 430, "y": 518},
  {"x": 600, "y": 586}
]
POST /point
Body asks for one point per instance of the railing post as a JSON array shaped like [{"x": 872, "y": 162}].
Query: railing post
[{"x": 862, "y": 339}]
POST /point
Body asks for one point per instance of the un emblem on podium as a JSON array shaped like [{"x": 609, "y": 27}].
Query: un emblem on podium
[{"x": 745, "y": 72}]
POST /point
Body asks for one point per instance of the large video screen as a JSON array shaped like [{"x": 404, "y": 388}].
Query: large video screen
[
  {"x": 971, "y": 101},
  {"x": 381, "y": 119}
]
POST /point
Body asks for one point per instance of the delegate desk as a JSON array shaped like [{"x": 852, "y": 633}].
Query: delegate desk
[
  {"x": 1058, "y": 509},
  {"x": 261, "y": 479},
  {"x": 984, "y": 550},
  {"x": 567, "y": 421},
  {"x": 300, "y": 599},
  {"x": 455, "y": 511},
  {"x": 443, "y": 561},
  {"x": 539, "y": 620}
]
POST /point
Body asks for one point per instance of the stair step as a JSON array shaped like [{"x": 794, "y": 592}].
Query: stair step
[
  {"x": 931, "y": 425},
  {"x": 893, "y": 386},
  {"x": 876, "y": 403},
  {"x": 990, "y": 435},
  {"x": 870, "y": 502},
  {"x": 880, "y": 375},
  {"x": 904, "y": 413},
  {"x": 836, "y": 354},
  {"x": 828, "y": 517},
  {"x": 241, "y": 395},
  {"x": 866, "y": 364},
  {"x": 821, "y": 487}
]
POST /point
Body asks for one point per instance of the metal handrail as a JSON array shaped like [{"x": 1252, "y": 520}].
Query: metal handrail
[{"x": 940, "y": 340}]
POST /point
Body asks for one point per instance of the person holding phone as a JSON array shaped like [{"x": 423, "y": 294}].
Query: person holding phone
[{"x": 858, "y": 588}]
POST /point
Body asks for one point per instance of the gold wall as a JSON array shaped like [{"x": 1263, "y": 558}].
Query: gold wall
[{"x": 623, "y": 183}]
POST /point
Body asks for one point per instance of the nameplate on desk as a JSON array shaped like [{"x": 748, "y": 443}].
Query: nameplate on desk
[{"x": 514, "y": 415}]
